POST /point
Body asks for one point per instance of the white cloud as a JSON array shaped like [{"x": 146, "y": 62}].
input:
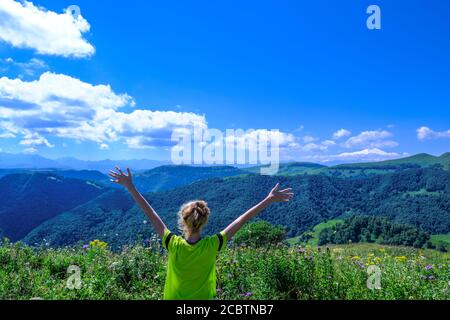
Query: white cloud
[
  {"x": 250, "y": 138},
  {"x": 314, "y": 147},
  {"x": 104, "y": 146},
  {"x": 7, "y": 135},
  {"x": 28, "y": 68},
  {"x": 308, "y": 139},
  {"x": 30, "y": 150},
  {"x": 371, "y": 139},
  {"x": 342, "y": 133},
  {"x": 367, "y": 154},
  {"x": 62, "y": 106},
  {"x": 293, "y": 150},
  {"x": 328, "y": 143},
  {"x": 8, "y": 130},
  {"x": 35, "y": 139},
  {"x": 424, "y": 133},
  {"x": 24, "y": 25},
  {"x": 364, "y": 155}
]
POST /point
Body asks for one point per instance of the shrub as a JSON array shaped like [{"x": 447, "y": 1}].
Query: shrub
[{"x": 259, "y": 234}]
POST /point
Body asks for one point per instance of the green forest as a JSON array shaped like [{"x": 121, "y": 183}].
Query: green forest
[
  {"x": 374, "y": 230},
  {"x": 419, "y": 197}
]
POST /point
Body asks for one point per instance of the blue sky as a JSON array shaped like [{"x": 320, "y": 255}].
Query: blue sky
[{"x": 307, "y": 68}]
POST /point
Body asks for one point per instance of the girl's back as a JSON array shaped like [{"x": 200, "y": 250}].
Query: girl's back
[{"x": 191, "y": 270}]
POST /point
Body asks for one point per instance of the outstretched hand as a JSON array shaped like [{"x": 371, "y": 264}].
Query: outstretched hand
[
  {"x": 284, "y": 195},
  {"x": 121, "y": 178}
]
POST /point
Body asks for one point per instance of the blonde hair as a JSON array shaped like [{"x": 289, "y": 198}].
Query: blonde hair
[{"x": 192, "y": 217}]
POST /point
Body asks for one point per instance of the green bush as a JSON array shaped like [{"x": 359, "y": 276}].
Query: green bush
[{"x": 259, "y": 234}]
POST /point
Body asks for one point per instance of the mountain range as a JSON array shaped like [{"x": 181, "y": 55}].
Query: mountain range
[
  {"x": 30, "y": 161},
  {"x": 29, "y": 199},
  {"x": 65, "y": 206},
  {"x": 418, "y": 197}
]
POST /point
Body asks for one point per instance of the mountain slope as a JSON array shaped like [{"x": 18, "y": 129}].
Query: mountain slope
[
  {"x": 420, "y": 197},
  {"x": 291, "y": 168},
  {"x": 419, "y": 160},
  {"x": 28, "y": 199},
  {"x": 30, "y": 161},
  {"x": 169, "y": 177},
  {"x": 105, "y": 165},
  {"x": 27, "y": 161}
]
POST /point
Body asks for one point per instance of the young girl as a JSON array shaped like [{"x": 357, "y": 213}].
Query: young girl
[{"x": 191, "y": 269}]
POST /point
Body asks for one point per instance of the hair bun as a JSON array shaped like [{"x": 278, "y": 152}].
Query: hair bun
[{"x": 193, "y": 216}]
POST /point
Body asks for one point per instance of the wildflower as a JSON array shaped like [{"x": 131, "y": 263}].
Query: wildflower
[
  {"x": 234, "y": 261},
  {"x": 239, "y": 269},
  {"x": 249, "y": 294},
  {"x": 86, "y": 246},
  {"x": 218, "y": 290},
  {"x": 98, "y": 244},
  {"x": 401, "y": 258},
  {"x": 229, "y": 275},
  {"x": 429, "y": 267},
  {"x": 301, "y": 250},
  {"x": 430, "y": 277}
]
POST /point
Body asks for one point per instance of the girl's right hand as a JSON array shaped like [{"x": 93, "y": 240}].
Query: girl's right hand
[{"x": 121, "y": 178}]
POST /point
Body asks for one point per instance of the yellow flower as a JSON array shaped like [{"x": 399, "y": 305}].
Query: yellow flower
[
  {"x": 98, "y": 244},
  {"x": 401, "y": 258}
]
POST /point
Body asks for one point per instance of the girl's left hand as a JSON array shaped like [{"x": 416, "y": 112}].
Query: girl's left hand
[{"x": 284, "y": 195}]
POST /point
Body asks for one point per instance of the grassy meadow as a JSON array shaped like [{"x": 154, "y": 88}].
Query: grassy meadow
[
  {"x": 277, "y": 272},
  {"x": 443, "y": 239}
]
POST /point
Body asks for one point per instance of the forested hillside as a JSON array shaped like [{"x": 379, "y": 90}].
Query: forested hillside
[
  {"x": 169, "y": 177},
  {"x": 419, "y": 197},
  {"x": 373, "y": 229},
  {"x": 29, "y": 199}
]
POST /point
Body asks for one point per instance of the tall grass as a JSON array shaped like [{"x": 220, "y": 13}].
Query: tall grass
[{"x": 281, "y": 272}]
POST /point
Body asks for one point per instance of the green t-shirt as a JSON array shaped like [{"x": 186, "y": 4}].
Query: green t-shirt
[{"x": 191, "y": 269}]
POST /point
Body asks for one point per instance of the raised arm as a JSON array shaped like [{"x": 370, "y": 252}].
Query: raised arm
[
  {"x": 126, "y": 180},
  {"x": 275, "y": 195}
]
